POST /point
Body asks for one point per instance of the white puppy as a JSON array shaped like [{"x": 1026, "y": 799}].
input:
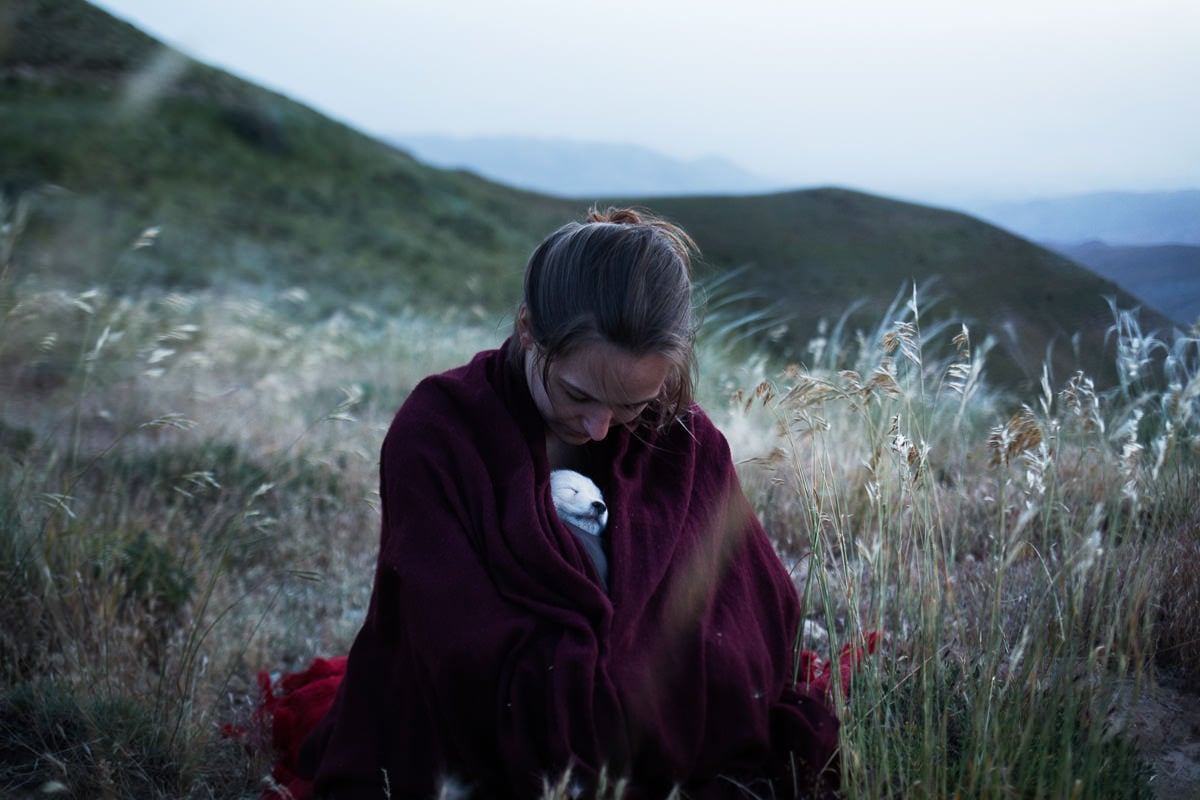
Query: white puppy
[
  {"x": 580, "y": 504},
  {"x": 578, "y": 501}
]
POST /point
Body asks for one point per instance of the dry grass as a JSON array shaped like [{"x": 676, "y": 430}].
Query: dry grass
[
  {"x": 1026, "y": 565},
  {"x": 188, "y": 496}
]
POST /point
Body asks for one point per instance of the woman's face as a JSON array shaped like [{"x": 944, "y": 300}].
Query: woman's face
[{"x": 595, "y": 387}]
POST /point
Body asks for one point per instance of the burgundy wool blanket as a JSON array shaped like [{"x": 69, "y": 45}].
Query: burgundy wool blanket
[{"x": 491, "y": 655}]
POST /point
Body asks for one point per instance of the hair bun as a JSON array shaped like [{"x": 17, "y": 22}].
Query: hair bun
[{"x": 617, "y": 216}]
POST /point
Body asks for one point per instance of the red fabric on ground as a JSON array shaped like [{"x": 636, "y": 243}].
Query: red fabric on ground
[
  {"x": 818, "y": 674},
  {"x": 295, "y": 704}
]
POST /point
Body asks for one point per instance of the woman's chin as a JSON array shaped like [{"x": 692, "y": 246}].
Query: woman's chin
[{"x": 572, "y": 438}]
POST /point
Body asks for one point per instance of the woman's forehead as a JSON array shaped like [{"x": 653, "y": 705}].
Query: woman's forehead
[{"x": 610, "y": 374}]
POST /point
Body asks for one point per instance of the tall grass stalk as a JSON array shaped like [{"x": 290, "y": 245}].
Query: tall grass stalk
[
  {"x": 178, "y": 472},
  {"x": 187, "y": 489},
  {"x": 1012, "y": 559}
]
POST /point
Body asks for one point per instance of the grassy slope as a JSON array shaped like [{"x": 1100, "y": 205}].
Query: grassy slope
[
  {"x": 818, "y": 252},
  {"x": 248, "y": 186}
]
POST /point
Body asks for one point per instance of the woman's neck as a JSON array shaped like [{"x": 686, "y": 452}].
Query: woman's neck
[{"x": 561, "y": 455}]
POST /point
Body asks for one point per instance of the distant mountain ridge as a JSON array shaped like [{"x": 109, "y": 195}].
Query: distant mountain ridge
[
  {"x": 1166, "y": 276},
  {"x": 567, "y": 168},
  {"x": 582, "y": 169},
  {"x": 1116, "y": 218},
  {"x": 1146, "y": 242},
  {"x": 1165, "y": 280}
]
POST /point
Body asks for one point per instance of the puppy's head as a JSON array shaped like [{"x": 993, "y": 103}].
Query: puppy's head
[{"x": 578, "y": 501}]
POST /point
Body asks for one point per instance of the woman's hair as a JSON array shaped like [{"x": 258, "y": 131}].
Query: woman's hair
[{"x": 623, "y": 277}]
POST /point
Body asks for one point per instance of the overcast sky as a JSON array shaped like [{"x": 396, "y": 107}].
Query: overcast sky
[{"x": 926, "y": 99}]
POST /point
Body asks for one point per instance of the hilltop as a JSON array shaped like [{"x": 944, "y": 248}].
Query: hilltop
[
  {"x": 108, "y": 132},
  {"x": 823, "y": 251}
]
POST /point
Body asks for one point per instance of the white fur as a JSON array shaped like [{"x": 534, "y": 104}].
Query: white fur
[{"x": 578, "y": 501}]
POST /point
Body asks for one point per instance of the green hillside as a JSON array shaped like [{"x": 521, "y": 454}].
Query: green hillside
[
  {"x": 819, "y": 253},
  {"x": 106, "y": 132},
  {"x": 244, "y": 184}
]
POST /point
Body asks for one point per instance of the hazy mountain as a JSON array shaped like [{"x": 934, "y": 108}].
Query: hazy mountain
[
  {"x": 1166, "y": 277},
  {"x": 1118, "y": 218},
  {"x": 107, "y": 132},
  {"x": 1144, "y": 242},
  {"x": 584, "y": 169}
]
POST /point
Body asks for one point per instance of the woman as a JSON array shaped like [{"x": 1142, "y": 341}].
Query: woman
[{"x": 492, "y": 658}]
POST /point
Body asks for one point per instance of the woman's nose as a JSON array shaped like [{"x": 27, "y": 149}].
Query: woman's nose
[{"x": 596, "y": 423}]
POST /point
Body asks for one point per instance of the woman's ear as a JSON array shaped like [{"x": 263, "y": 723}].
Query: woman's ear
[{"x": 523, "y": 332}]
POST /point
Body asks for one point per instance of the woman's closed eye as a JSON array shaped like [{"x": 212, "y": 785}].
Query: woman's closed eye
[{"x": 578, "y": 397}]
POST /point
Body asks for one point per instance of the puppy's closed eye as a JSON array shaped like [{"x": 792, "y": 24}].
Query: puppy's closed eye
[{"x": 578, "y": 501}]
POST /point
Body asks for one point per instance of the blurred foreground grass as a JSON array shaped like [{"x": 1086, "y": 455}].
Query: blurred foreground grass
[{"x": 188, "y": 497}]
